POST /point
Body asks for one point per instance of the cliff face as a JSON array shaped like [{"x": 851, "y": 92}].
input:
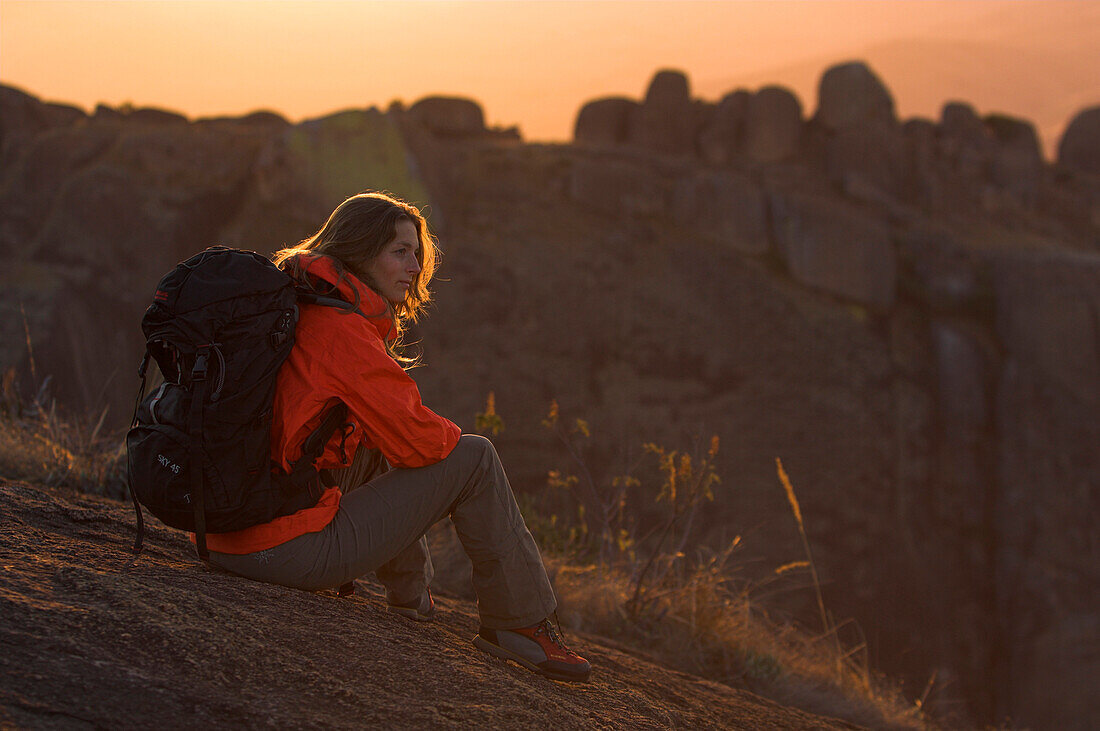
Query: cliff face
[{"x": 906, "y": 312}]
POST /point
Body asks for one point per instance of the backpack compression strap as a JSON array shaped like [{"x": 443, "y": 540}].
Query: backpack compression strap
[
  {"x": 303, "y": 471},
  {"x": 194, "y": 424}
]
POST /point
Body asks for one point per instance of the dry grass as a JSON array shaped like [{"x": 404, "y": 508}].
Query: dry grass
[
  {"x": 627, "y": 571},
  {"x": 705, "y": 622},
  {"x": 39, "y": 445}
]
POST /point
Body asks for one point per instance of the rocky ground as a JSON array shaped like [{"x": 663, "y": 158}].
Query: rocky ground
[{"x": 93, "y": 637}]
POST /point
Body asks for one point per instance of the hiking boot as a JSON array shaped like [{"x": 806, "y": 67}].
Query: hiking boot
[
  {"x": 539, "y": 648},
  {"x": 420, "y": 610}
]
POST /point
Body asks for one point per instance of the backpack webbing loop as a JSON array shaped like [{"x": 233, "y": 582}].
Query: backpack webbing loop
[{"x": 139, "y": 539}]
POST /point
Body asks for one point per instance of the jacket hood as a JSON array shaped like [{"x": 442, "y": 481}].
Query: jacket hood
[{"x": 321, "y": 272}]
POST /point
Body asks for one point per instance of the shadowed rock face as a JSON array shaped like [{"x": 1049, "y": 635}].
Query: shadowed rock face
[
  {"x": 22, "y": 117},
  {"x": 835, "y": 249},
  {"x": 904, "y": 313},
  {"x": 727, "y": 207}
]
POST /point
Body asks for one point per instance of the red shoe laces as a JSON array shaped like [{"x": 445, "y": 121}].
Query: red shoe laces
[{"x": 554, "y": 632}]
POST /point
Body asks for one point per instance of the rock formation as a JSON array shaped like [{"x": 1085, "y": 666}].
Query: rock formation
[
  {"x": 773, "y": 125},
  {"x": 905, "y": 311},
  {"x": 605, "y": 121},
  {"x": 665, "y": 120},
  {"x": 1080, "y": 146},
  {"x": 449, "y": 116}
]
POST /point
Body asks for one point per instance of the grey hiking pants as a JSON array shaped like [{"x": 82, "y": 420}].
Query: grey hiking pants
[{"x": 380, "y": 527}]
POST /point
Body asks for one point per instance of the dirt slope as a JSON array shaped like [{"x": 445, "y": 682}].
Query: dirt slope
[{"x": 90, "y": 637}]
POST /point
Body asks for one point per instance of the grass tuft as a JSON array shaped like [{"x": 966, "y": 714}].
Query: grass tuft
[{"x": 40, "y": 445}]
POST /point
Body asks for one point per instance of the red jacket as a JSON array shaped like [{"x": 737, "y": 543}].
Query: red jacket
[{"x": 341, "y": 356}]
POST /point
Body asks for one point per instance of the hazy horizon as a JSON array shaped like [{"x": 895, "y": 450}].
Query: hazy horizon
[{"x": 533, "y": 64}]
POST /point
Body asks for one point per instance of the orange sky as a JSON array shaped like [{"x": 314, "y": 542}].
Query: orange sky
[{"x": 535, "y": 63}]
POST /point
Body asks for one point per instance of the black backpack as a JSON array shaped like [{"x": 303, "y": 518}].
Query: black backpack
[{"x": 199, "y": 447}]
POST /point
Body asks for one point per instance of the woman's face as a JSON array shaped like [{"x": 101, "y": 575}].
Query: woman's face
[{"x": 395, "y": 267}]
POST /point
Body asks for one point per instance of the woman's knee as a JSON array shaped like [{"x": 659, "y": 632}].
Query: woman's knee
[
  {"x": 476, "y": 455},
  {"x": 476, "y": 446}
]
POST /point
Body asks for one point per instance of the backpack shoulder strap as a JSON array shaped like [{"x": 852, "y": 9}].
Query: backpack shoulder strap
[{"x": 328, "y": 300}]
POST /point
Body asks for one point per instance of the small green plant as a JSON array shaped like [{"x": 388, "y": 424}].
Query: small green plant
[
  {"x": 688, "y": 483},
  {"x": 595, "y": 508},
  {"x": 760, "y": 665}
]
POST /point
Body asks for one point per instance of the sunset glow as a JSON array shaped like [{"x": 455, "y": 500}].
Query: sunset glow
[{"x": 534, "y": 63}]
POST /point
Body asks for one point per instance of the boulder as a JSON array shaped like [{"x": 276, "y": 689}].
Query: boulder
[
  {"x": 858, "y": 128},
  {"x": 958, "y": 120},
  {"x": 1017, "y": 164},
  {"x": 1079, "y": 149},
  {"x": 835, "y": 248},
  {"x": 850, "y": 94},
  {"x": 964, "y": 161},
  {"x": 773, "y": 125},
  {"x": 264, "y": 118},
  {"x": 721, "y": 139},
  {"x": 666, "y": 122},
  {"x": 726, "y": 206},
  {"x": 605, "y": 121},
  {"x": 616, "y": 187},
  {"x": 965, "y": 142},
  {"x": 449, "y": 116}
]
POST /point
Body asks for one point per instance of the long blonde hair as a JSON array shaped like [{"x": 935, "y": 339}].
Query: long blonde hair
[{"x": 355, "y": 233}]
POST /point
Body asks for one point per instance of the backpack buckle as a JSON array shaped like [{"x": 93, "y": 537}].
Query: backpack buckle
[{"x": 198, "y": 371}]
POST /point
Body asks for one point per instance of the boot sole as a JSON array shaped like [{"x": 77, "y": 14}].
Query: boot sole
[
  {"x": 498, "y": 651},
  {"x": 413, "y": 614}
]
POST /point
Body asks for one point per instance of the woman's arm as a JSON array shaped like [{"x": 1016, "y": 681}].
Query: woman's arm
[{"x": 382, "y": 399}]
